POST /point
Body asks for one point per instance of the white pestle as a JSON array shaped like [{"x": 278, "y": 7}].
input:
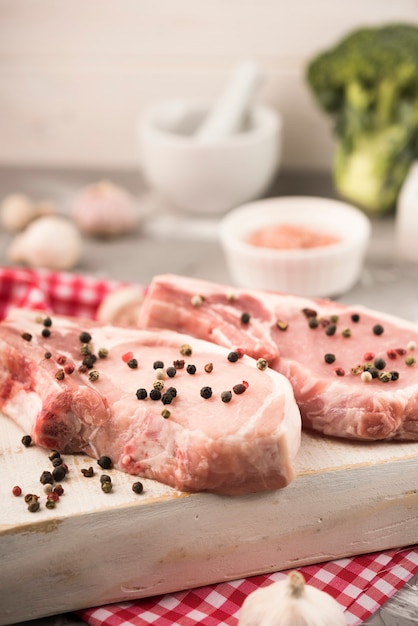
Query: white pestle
[{"x": 228, "y": 115}]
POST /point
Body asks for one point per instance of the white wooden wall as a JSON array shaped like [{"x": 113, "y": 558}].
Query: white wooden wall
[{"x": 76, "y": 74}]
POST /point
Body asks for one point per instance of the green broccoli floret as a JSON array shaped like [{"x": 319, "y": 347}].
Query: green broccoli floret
[{"x": 368, "y": 84}]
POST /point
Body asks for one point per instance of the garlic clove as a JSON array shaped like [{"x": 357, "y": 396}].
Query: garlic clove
[
  {"x": 291, "y": 602},
  {"x": 121, "y": 306},
  {"x": 16, "y": 211},
  {"x": 103, "y": 209},
  {"x": 51, "y": 242}
]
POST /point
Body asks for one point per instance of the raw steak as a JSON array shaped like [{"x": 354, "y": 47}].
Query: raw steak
[
  {"x": 322, "y": 347},
  {"x": 189, "y": 441}
]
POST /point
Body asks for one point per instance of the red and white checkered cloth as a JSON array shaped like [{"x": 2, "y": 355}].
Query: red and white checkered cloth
[{"x": 360, "y": 584}]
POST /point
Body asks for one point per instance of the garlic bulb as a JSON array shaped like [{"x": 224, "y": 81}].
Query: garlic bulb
[
  {"x": 104, "y": 210},
  {"x": 121, "y": 306},
  {"x": 18, "y": 210},
  {"x": 291, "y": 602},
  {"x": 51, "y": 242}
]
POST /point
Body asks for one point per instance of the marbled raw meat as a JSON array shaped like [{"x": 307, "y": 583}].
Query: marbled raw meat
[
  {"x": 293, "y": 334},
  {"x": 242, "y": 446}
]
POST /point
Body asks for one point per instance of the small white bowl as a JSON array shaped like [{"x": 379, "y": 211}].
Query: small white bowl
[
  {"x": 208, "y": 177},
  {"x": 321, "y": 271}
]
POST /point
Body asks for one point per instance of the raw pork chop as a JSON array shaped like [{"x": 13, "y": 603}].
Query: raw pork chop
[
  {"x": 322, "y": 347},
  {"x": 192, "y": 439}
]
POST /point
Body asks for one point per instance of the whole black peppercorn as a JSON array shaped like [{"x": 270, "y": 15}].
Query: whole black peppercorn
[
  {"x": 379, "y": 363},
  {"x": 59, "y": 473},
  {"x": 26, "y": 440},
  {"x": 166, "y": 398},
  {"x": 171, "y": 372},
  {"x": 313, "y": 322},
  {"x": 226, "y": 396},
  {"x": 47, "y": 322},
  {"x": 89, "y": 360},
  {"x": 132, "y": 363},
  {"x": 105, "y": 462},
  {"x": 355, "y": 317},
  {"x": 245, "y": 318},
  {"x": 85, "y": 337},
  {"x": 141, "y": 393},
  {"x": 54, "y": 454},
  {"x": 105, "y": 478},
  {"x": 46, "y": 332},
  {"x": 233, "y": 357},
  {"x": 191, "y": 369},
  {"x": 155, "y": 394},
  {"x": 206, "y": 392},
  {"x": 394, "y": 374},
  {"x": 46, "y": 478},
  {"x": 158, "y": 365},
  {"x": 330, "y": 330},
  {"x": 172, "y": 391},
  {"x": 56, "y": 461},
  {"x": 33, "y": 506},
  {"x": 137, "y": 487},
  {"x": 329, "y": 358},
  {"x": 47, "y": 355},
  {"x": 378, "y": 329}
]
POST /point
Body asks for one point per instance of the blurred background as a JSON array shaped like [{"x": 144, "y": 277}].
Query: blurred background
[{"x": 75, "y": 76}]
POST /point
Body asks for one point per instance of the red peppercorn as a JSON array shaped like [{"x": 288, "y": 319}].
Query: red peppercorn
[
  {"x": 61, "y": 359},
  {"x": 240, "y": 352},
  {"x": 369, "y": 356},
  {"x": 53, "y": 495},
  {"x": 339, "y": 371},
  {"x": 17, "y": 491},
  {"x": 392, "y": 354},
  {"x": 127, "y": 356}
]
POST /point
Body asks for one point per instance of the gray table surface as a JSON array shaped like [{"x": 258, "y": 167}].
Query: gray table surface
[{"x": 169, "y": 242}]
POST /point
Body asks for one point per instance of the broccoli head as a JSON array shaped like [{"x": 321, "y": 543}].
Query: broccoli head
[{"x": 368, "y": 84}]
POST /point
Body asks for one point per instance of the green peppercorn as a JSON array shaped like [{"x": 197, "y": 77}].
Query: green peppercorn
[
  {"x": 85, "y": 349},
  {"x": 158, "y": 384},
  {"x": 394, "y": 375},
  {"x": 346, "y": 332},
  {"x": 33, "y": 506},
  {"x": 165, "y": 413},
  {"x": 333, "y": 318},
  {"x": 262, "y": 364},
  {"x": 107, "y": 487},
  {"x": 137, "y": 487},
  {"x": 105, "y": 478},
  {"x": 385, "y": 377},
  {"x": 50, "y": 504},
  {"x": 47, "y": 355},
  {"x": 410, "y": 360},
  {"x": 281, "y": 325},
  {"x": 60, "y": 374},
  {"x": 186, "y": 349},
  {"x": 103, "y": 353},
  {"x": 94, "y": 375}
]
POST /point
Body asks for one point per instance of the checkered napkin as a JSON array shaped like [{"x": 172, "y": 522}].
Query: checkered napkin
[
  {"x": 51, "y": 291},
  {"x": 360, "y": 584}
]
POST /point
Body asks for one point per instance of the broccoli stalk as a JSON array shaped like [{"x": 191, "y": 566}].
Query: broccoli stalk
[{"x": 368, "y": 83}]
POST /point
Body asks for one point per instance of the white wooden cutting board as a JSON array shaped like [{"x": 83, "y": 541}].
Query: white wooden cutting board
[{"x": 96, "y": 548}]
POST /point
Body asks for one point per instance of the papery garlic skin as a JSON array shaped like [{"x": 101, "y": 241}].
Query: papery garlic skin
[
  {"x": 104, "y": 210},
  {"x": 291, "y": 602},
  {"x": 50, "y": 242}
]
